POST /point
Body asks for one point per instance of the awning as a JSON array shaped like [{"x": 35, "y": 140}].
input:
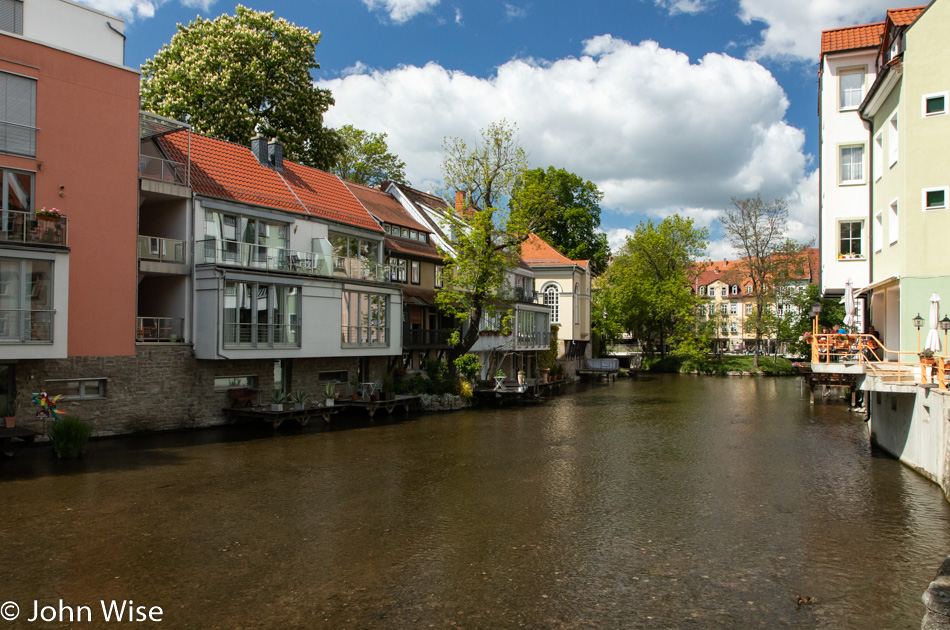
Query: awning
[{"x": 877, "y": 285}]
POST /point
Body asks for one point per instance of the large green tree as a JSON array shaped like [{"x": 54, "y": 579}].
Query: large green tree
[
  {"x": 499, "y": 213},
  {"x": 241, "y": 74},
  {"x": 366, "y": 158},
  {"x": 650, "y": 280},
  {"x": 572, "y": 226}
]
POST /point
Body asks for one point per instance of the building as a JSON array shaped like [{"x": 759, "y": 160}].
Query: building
[
  {"x": 67, "y": 286},
  {"x": 906, "y": 109}
]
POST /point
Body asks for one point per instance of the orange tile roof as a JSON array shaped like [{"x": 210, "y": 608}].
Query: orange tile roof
[
  {"x": 230, "y": 171},
  {"x": 851, "y": 37},
  {"x": 412, "y": 248},
  {"x": 384, "y": 207},
  {"x": 735, "y": 272},
  {"x": 536, "y": 252},
  {"x": 903, "y": 17}
]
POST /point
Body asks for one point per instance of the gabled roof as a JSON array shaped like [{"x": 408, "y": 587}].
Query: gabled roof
[
  {"x": 904, "y": 17},
  {"x": 384, "y": 207},
  {"x": 225, "y": 170},
  {"x": 734, "y": 271},
  {"x": 412, "y": 248},
  {"x": 425, "y": 202},
  {"x": 851, "y": 38},
  {"x": 538, "y": 253}
]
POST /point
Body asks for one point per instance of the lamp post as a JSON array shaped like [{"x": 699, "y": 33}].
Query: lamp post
[
  {"x": 918, "y": 322},
  {"x": 945, "y": 324}
]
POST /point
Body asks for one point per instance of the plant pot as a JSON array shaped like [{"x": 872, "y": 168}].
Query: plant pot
[
  {"x": 298, "y": 406},
  {"x": 928, "y": 360},
  {"x": 355, "y": 397},
  {"x": 9, "y": 422},
  {"x": 328, "y": 402},
  {"x": 276, "y": 407}
]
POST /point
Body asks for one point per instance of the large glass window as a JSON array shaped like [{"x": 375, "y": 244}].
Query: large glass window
[
  {"x": 17, "y": 115},
  {"x": 248, "y": 241},
  {"x": 552, "y": 294},
  {"x": 365, "y": 319},
  {"x": 26, "y": 300},
  {"x": 399, "y": 268},
  {"x": 261, "y": 315}
]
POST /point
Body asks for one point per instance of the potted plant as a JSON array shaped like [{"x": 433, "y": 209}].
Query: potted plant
[
  {"x": 354, "y": 388},
  {"x": 499, "y": 379},
  {"x": 329, "y": 393},
  {"x": 389, "y": 386},
  {"x": 299, "y": 399},
  {"x": 278, "y": 399},
  {"x": 52, "y": 214},
  {"x": 520, "y": 377},
  {"x": 926, "y": 357},
  {"x": 10, "y": 421}
]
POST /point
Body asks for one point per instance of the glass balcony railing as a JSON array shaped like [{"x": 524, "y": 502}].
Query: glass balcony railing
[
  {"x": 161, "y": 249},
  {"x": 24, "y": 227},
  {"x": 26, "y": 326},
  {"x": 159, "y": 329},
  {"x": 424, "y": 338},
  {"x": 163, "y": 170},
  {"x": 365, "y": 336},
  {"x": 251, "y": 256}
]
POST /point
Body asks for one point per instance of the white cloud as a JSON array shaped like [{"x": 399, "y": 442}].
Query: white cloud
[
  {"x": 458, "y": 16},
  {"x": 617, "y": 237},
  {"x": 683, "y": 6},
  {"x": 793, "y": 27},
  {"x": 357, "y": 68},
  {"x": 803, "y": 210},
  {"x": 513, "y": 11},
  {"x": 656, "y": 133},
  {"x": 401, "y": 10}
]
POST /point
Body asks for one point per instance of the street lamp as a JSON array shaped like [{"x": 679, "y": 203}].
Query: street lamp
[
  {"x": 945, "y": 324},
  {"x": 918, "y": 322}
]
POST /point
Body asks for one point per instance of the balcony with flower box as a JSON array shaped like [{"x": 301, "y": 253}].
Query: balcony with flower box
[{"x": 43, "y": 228}]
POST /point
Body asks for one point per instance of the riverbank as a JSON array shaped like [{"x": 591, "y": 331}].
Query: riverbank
[{"x": 727, "y": 365}]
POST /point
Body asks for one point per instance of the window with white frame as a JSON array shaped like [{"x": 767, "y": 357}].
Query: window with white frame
[
  {"x": 723, "y": 308},
  {"x": 725, "y": 291},
  {"x": 552, "y": 293},
  {"x": 17, "y": 114},
  {"x": 877, "y": 157},
  {"x": 934, "y": 198},
  {"x": 702, "y": 290},
  {"x": 849, "y": 243},
  {"x": 748, "y": 309},
  {"x": 577, "y": 300},
  {"x": 733, "y": 327},
  {"x": 934, "y": 104},
  {"x": 712, "y": 291},
  {"x": 748, "y": 289},
  {"x": 735, "y": 289},
  {"x": 850, "y": 88},
  {"x": 851, "y": 160},
  {"x": 893, "y": 227},
  {"x": 733, "y": 308},
  {"x": 438, "y": 276},
  {"x": 398, "y": 269},
  {"x": 892, "y": 141},
  {"x": 877, "y": 234},
  {"x": 415, "y": 271}
]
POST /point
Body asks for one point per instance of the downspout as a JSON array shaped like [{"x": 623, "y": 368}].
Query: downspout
[{"x": 122, "y": 35}]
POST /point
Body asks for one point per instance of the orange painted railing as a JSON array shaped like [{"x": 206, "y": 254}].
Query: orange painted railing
[{"x": 866, "y": 349}]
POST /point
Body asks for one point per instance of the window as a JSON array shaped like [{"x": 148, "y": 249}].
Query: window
[
  {"x": 733, "y": 308},
  {"x": 712, "y": 291},
  {"x": 16, "y": 193},
  {"x": 224, "y": 383},
  {"x": 934, "y": 104},
  {"x": 934, "y": 198},
  {"x": 748, "y": 309},
  {"x": 258, "y": 315},
  {"x": 725, "y": 291},
  {"x": 17, "y": 114},
  {"x": 735, "y": 289},
  {"x": 414, "y": 268},
  {"x": 577, "y": 300},
  {"x": 79, "y": 389},
  {"x": 438, "y": 276},
  {"x": 877, "y": 233},
  {"x": 365, "y": 319},
  {"x": 723, "y": 308},
  {"x": 399, "y": 268},
  {"x": 852, "y": 165},
  {"x": 11, "y": 16},
  {"x": 702, "y": 290},
  {"x": 850, "y": 89},
  {"x": 893, "y": 226},
  {"x": 892, "y": 141},
  {"x": 878, "y": 156},
  {"x": 733, "y": 328},
  {"x": 26, "y": 301},
  {"x": 748, "y": 289},
  {"x": 849, "y": 245},
  {"x": 551, "y": 296}
]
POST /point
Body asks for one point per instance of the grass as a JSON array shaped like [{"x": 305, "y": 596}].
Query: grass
[{"x": 743, "y": 363}]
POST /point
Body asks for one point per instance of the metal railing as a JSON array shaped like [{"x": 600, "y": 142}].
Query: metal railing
[
  {"x": 424, "y": 338},
  {"x": 159, "y": 329},
  {"x": 526, "y": 296},
  {"x": 899, "y": 366},
  {"x": 26, "y": 326},
  {"x": 161, "y": 249},
  {"x": 163, "y": 170},
  {"x": 261, "y": 335},
  {"x": 360, "y": 269},
  {"x": 24, "y": 227},
  {"x": 534, "y": 339},
  {"x": 365, "y": 336}
]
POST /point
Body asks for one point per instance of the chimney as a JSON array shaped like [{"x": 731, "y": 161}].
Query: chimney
[
  {"x": 275, "y": 155},
  {"x": 259, "y": 149},
  {"x": 459, "y": 200}
]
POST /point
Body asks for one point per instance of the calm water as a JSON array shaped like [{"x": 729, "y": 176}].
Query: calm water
[{"x": 662, "y": 502}]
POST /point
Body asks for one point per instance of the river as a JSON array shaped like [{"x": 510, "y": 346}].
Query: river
[{"x": 657, "y": 502}]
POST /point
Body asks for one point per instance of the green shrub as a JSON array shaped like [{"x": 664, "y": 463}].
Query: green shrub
[
  {"x": 468, "y": 366},
  {"x": 666, "y": 365},
  {"x": 69, "y": 436}
]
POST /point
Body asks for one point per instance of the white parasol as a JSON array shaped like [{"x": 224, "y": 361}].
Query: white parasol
[
  {"x": 849, "y": 303},
  {"x": 933, "y": 340}
]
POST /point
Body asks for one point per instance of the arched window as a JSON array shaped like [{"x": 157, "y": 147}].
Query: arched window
[
  {"x": 552, "y": 294},
  {"x": 702, "y": 290},
  {"x": 577, "y": 298}
]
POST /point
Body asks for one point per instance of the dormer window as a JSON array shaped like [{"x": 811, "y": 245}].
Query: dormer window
[{"x": 735, "y": 289}]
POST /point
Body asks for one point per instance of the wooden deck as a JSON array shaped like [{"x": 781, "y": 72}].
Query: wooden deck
[
  {"x": 401, "y": 400},
  {"x": 301, "y": 416},
  {"x": 14, "y": 433}
]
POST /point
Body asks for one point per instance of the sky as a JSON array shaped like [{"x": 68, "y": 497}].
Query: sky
[{"x": 668, "y": 106}]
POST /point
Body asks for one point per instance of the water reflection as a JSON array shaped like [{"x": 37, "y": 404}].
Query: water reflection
[{"x": 654, "y": 502}]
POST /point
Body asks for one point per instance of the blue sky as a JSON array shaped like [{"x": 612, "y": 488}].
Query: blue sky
[{"x": 667, "y": 105}]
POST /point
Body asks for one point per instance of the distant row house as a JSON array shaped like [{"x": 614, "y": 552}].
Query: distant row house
[{"x": 183, "y": 266}]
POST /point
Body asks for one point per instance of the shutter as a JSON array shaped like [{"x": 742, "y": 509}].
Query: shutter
[
  {"x": 11, "y": 16},
  {"x": 17, "y": 114}
]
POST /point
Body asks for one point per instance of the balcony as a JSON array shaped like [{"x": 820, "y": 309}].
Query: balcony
[
  {"x": 159, "y": 329},
  {"x": 365, "y": 336},
  {"x": 26, "y": 326},
  {"x": 243, "y": 335},
  {"x": 163, "y": 170},
  {"x": 534, "y": 339},
  {"x": 261, "y": 257},
  {"x": 23, "y": 227},
  {"x": 161, "y": 249},
  {"x": 525, "y": 296},
  {"x": 415, "y": 338}
]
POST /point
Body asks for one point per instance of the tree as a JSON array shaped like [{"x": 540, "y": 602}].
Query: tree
[
  {"x": 486, "y": 234},
  {"x": 650, "y": 277},
  {"x": 757, "y": 229},
  {"x": 366, "y": 159},
  {"x": 234, "y": 76},
  {"x": 572, "y": 227},
  {"x": 831, "y": 316}
]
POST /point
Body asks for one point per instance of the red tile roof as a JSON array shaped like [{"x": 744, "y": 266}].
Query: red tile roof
[
  {"x": 412, "y": 248},
  {"x": 735, "y": 272},
  {"x": 537, "y": 252},
  {"x": 851, "y": 37},
  {"x": 903, "y": 17},
  {"x": 229, "y": 171},
  {"x": 384, "y": 207}
]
